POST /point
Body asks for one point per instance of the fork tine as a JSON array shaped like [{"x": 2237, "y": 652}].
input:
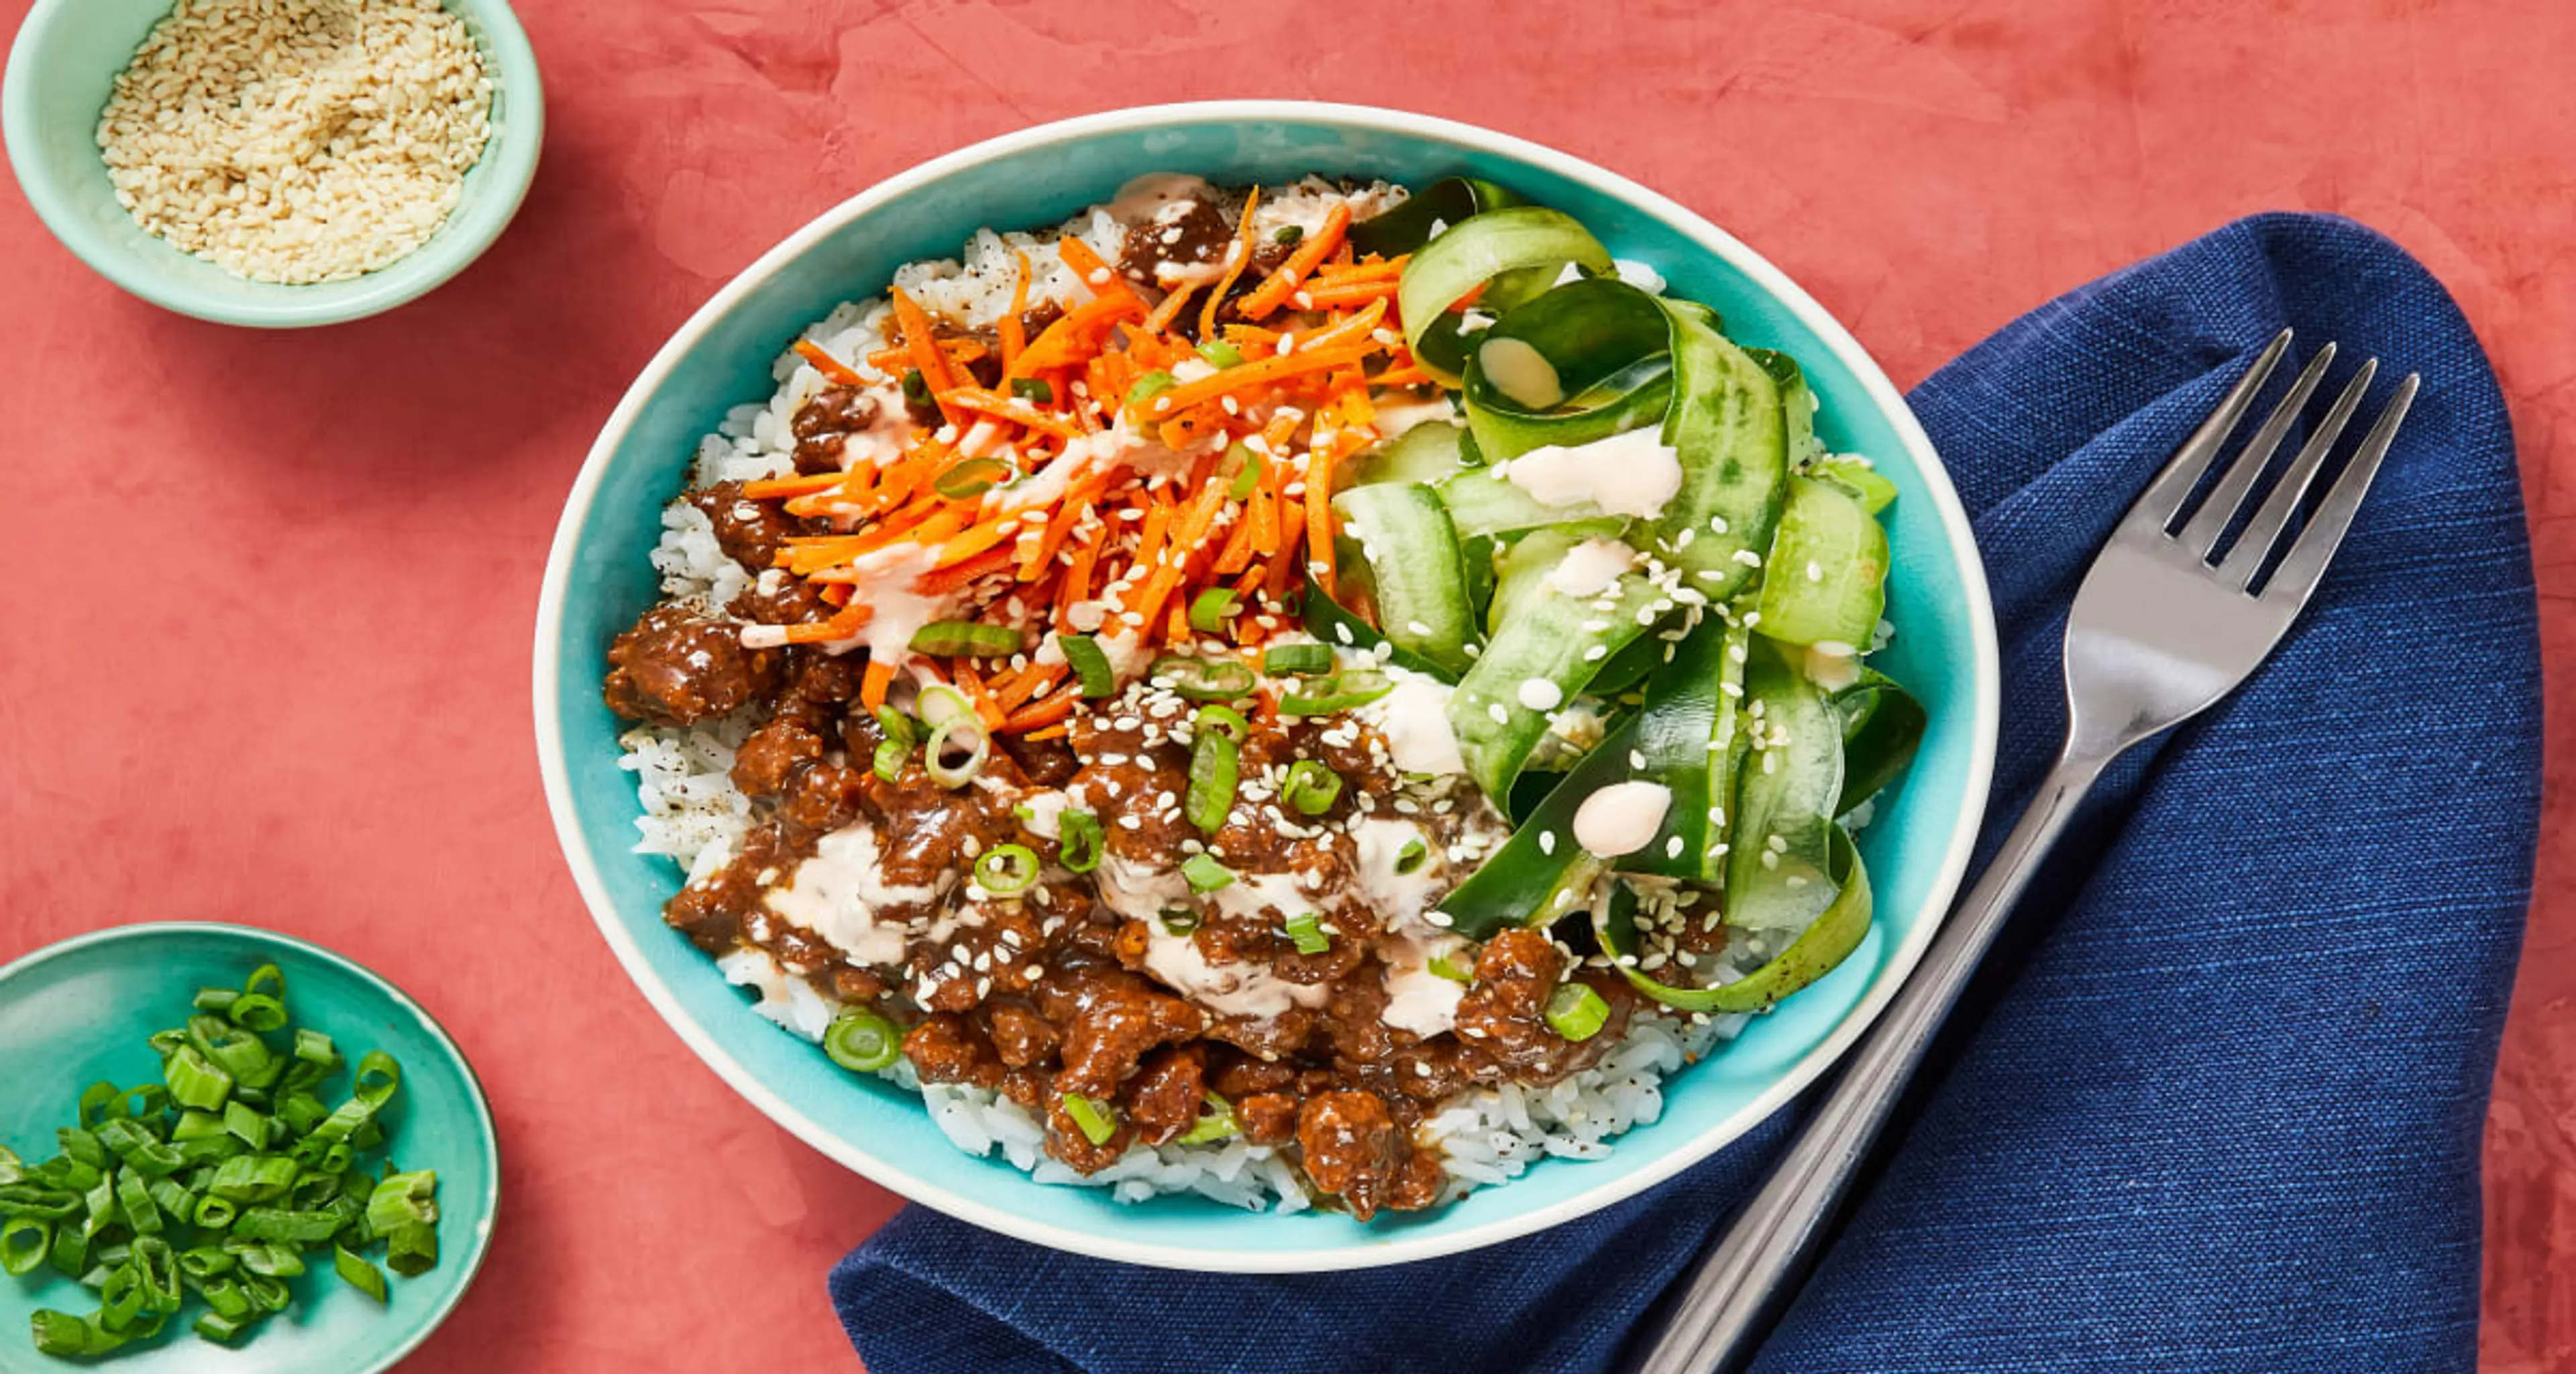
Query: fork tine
[
  {"x": 2316, "y": 545},
  {"x": 2216, "y": 513},
  {"x": 2256, "y": 542},
  {"x": 2164, "y": 495}
]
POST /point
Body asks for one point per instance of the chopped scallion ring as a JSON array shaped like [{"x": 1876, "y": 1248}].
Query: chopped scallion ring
[
  {"x": 1214, "y": 1124},
  {"x": 973, "y": 477},
  {"x": 1221, "y": 353},
  {"x": 957, "y": 751},
  {"x": 1202, "y": 679},
  {"x": 1248, "y": 470},
  {"x": 1410, "y": 858},
  {"x": 1214, "y": 763},
  {"x": 1306, "y": 931},
  {"x": 1297, "y": 660},
  {"x": 1576, "y": 1012},
  {"x": 1007, "y": 870},
  {"x": 1224, "y": 718},
  {"x": 1205, "y": 874},
  {"x": 1036, "y": 389},
  {"x": 1079, "y": 843},
  {"x": 916, "y": 390},
  {"x": 1177, "y": 920},
  {"x": 863, "y": 1042},
  {"x": 1209, "y": 609},
  {"x": 1090, "y": 664},
  {"x": 1442, "y": 966},
  {"x": 891, "y": 756},
  {"x": 965, "y": 638},
  {"x": 1097, "y": 1121},
  {"x": 1343, "y": 691},
  {"x": 1149, "y": 386},
  {"x": 1311, "y": 787}
]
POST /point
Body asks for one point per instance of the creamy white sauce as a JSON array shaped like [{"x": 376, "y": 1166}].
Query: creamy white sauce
[
  {"x": 1139, "y": 892},
  {"x": 837, "y": 893},
  {"x": 1639, "y": 275},
  {"x": 1046, "y": 814},
  {"x": 1253, "y": 895},
  {"x": 1248, "y": 991},
  {"x": 1417, "y": 998},
  {"x": 1415, "y": 720},
  {"x": 1394, "y": 418},
  {"x": 1397, "y": 897},
  {"x": 1621, "y": 818},
  {"x": 1626, "y": 474},
  {"x": 1590, "y": 567}
]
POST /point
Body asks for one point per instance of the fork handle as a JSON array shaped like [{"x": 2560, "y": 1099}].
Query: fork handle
[{"x": 1718, "y": 1317}]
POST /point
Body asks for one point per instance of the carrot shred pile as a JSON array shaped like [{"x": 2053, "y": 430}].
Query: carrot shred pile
[{"x": 1094, "y": 504}]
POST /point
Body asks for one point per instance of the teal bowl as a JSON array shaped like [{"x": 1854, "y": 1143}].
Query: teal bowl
[
  {"x": 81, "y": 1011},
  {"x": 64, "y": 63},
  {"x": 597, "y": 582}
]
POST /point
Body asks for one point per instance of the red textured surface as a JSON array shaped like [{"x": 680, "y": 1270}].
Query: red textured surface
[{"x": 268, "y": 658}]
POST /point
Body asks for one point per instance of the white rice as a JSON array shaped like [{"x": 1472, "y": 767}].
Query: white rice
[{"x": 695, "y": 816}]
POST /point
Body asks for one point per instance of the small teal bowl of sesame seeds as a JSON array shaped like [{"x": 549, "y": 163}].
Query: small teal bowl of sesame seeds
[{"x": 364, "y": 155}]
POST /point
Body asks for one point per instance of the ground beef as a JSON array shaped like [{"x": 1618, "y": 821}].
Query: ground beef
[
  {"x": 750, "y": 532},
  {"x": 1108, "y": 1018},
  {"x": 1020, "y": 1036},
  {"x": 712, "y": 910},
  {"x": 766, "y": 762},
  {"x": 1266, "y": 1118},
  {"x": 1184, "y": 234},
  {"x": 822, "y": 426},
  {"x": 775, "y": 598},
  {"x": 676, "y": 667},
  {"x": 1168, "y": 1092},
  {"x": 944, "y": 1048},
  {"x": 1504, "y": 1014},
  {"x": 1352, "y": 1148}
]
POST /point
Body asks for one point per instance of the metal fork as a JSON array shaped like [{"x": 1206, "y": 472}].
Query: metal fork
[{"x": 2164, "y": 625}]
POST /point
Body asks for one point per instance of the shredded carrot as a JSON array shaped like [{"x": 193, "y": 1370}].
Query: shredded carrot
[
  {"x": 1173, "y": 400},
  {"x": 982, "y": 402},
  {"x": 970, "y": 680},
  {"x": 844, "y": 623},
  {"x": 958, "y": 351},
  {"x": 1274, "y": 290},
  {"x": 1096, "y": 273},
  {"x": 1047, "y": 712},
  {"x": 828, "y": 365},
  {"x": 1170, "y": 309},
  {"x": 778, "y": 487},
  {"x": 1236, "y": 261},
  {"x": 874, "y": 682},
  {"x": 948, "y": 577},
  {"x": 1346, "y": 293},
  {"x": 1410, "y": 374},
  {"x": 1038, "y": 678},
  {"x": 1319, "y": 518},
  {"x": 1071, "y": 340},
  {"x": 1348, "y": 331},
  {"x": 923, "y": 346},
  {"x": 1015, "y": 329},
  {"x": 1057, "y": 731}
]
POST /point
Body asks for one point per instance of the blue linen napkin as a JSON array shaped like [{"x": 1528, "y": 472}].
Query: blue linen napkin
[{"x": 2218, "y": 1105}]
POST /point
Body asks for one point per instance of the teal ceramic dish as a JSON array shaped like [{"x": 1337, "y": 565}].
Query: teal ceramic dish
[
  {"x": 60, "y": 71},
  {"x": 598, "y": 581},
  {"x": 80, "y": 1012}
]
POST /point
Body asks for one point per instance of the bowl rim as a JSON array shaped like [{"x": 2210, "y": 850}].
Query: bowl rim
[
  {"x": 510, "y": 161},
  {"x": 487, "y": 1206},
  {"x": 1986, "y": 687}
]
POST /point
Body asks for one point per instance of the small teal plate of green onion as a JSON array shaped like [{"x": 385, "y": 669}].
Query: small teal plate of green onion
[{"x": 365, "y": 1089}]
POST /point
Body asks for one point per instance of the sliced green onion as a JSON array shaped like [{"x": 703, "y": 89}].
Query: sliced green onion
[
  {"x": 1288, "y": 233},
  {"x": 1216, "y": 1123},
  {"x": 358, "y": 1273},
  {"x": 863, "y": 1042},
  {"x": 973, "y": 477},
  {"x": 1036, "y": 389},
  {"x": 1205, "y": 874},
  {"x": 1221, "y": 353},
  {"x": 1090, "y": 664},
  {"x": 940, "y": 703},
  {"x": 215, "y": 1326},
  {"x": 1576, "y": 1012},
  {"x": 1078, "y": 841},
  {"x": 1343, "y": 691},
  {"x": 1298, "y": 660},
  {"x": 412, "y": 1248},
  {"x": 24, "y": 1243},
  {"x": 1306, "y": 931},
  {"x": 257, "y": 1011},
  {"x": 1225, "y": 718},
  {"x": 966, "y": 638},
  {"x": 1411, "y": 856},
  {"x": 1202, "y": 679},
  {"x": 313, "y": 1047},
  {"x": 890, "y": 759},
  {"x": 195, "y": 1081},
  {"x": 1214, "y": 761},
  {"x": 1248, "y": 469},
  {"x": 964, "y": 736},
  {"x": 916, "y": 390},
  {"x": 1311, "y": 787},
  {"x": 1177, "y": 920},
  {"x": 1097, "y": 1121},
  {"x": 1007, "y": 870},
  {"x": 898, "y": 727},
  {"x": 1442, "y": 966},
  {"x": 1148, "y": 386},
  {"x": 1209, "y": 609}
]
